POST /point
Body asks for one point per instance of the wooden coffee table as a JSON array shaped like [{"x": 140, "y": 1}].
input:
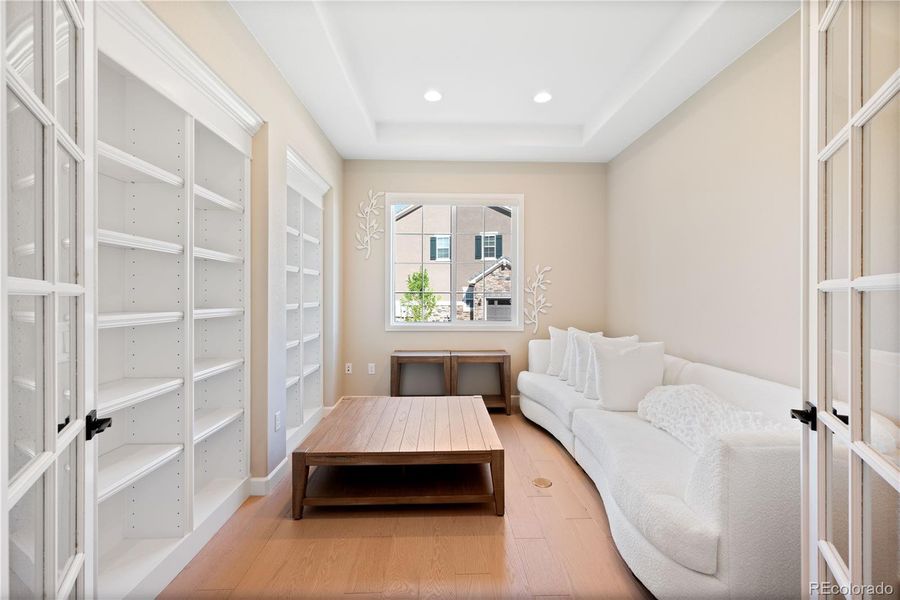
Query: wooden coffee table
[{"x": 373, "y": 450}]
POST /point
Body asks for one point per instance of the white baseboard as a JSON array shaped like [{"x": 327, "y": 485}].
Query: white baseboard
[{"x": 263, "y": 486}]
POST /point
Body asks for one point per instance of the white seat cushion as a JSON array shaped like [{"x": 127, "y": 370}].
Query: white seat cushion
[
  {"x": 554, "y": 394},
  {"x": 648, "y": 471}
]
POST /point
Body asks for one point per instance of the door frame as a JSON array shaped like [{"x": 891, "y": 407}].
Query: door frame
[{"x": 820, "y": 556}]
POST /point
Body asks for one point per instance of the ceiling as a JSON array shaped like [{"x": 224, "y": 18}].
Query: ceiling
[{"x": 614, "y": 69}]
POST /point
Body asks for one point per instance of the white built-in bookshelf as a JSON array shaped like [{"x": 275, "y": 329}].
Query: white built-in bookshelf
[
  {"x": 304, "y": 298},
  {"x": 172, "y": 326}
]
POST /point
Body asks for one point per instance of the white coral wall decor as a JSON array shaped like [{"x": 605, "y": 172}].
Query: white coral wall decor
[
  {"x": 536, "y": 302},
  {"x": 368, "y": 222}
]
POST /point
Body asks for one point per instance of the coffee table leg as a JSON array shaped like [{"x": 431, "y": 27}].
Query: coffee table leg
[
  {"x": 299, "y": 474},
  {"x": 497, "y": 479}
]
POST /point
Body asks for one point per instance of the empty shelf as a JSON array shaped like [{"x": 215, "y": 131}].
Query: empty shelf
[
  {"x": 217, "y": 313},
  {"x": 118, "y": 239},
  {"x": 130, "y": 561},
  {"x": 206, "y": 254},
  {"x": 310, "y": 369},
  {"x": 292, "y": 344},
  {"x": 292, "y": 231},
  {"x": 204, "y": 368},
  {"x": 312, "y": 272},
  {"x": 135, "y": 319},
  {"x": 212, "y": 495},
  {"x": 207, "y": 421},
  {"x": 310, "y": 337},
  {"x": 310, "y": 305},
  {"x": 126, "y": 392},
  {"x": 291, "y": 381},
  {"x": 311, "y": 239},
  {"x": 129, "y": 463},
  {"x": 292, "y": 268},
  {"x": 292, "y": 306},
  {"x": 126, "y": 167},
  {"x": 206, "y": 199}
]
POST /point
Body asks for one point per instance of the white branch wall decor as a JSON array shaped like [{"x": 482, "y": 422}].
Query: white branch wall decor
[
  {"x": 368, "y": 222},
  {"x": 536, "y": 301}
]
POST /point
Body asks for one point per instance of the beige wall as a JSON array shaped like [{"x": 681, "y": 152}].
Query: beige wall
[
  {"x": 217, "y": 35},
  {"x": 704, "y": 220},
  {"x": 565, "y": 217}
]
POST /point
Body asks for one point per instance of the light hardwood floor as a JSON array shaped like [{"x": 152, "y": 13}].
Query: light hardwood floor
[{"x": 553, "y": 542}]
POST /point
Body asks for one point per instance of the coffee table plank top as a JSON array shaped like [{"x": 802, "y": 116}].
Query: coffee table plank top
[{"x": 408, "y": 424}]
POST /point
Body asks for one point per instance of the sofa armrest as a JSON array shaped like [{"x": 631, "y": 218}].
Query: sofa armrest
[
  {"x": 538, "y": 356},
  {"x": 748, "y": 483}
]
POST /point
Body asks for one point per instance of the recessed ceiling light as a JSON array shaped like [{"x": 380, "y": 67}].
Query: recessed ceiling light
[
  {"x": 433, "y": 96},
  {"x": 543, "y": 97}
]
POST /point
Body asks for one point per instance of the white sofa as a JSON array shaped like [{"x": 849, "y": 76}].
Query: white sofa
[{"x": 724, "y": 524}]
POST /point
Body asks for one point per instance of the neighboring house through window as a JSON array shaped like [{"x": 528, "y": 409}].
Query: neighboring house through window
[{"x": 453, "y": 261}]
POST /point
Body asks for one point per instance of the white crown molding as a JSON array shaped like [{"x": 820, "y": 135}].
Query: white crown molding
[
  {"x": 306, "y": 172},
  {"x": 139, "y": 20}
]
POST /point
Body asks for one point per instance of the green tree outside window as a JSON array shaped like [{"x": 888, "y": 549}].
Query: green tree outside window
[{"x": 419, "y": 302}]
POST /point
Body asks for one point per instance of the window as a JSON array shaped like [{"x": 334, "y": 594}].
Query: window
[
  {"x": 489, "y": 245},
  {"x": 453, "y": 261},
  {"x": 440, "y": 247}
]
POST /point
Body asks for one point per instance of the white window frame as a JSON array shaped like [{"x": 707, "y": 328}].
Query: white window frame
[{"x": 516, "y": 202}]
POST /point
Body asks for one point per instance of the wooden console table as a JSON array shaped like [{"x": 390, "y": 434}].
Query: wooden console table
[
  {"x": 450, "y": 362},
  {"x": 413, "y": 357}
]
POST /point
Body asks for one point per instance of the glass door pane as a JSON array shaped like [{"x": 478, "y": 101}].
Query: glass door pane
[
  {"x": 26, "y": 544},
  {"x": 65, "y": 70},
  {"x": 837, "y": 82},
  {"x": 837, "y": 207},
  {"x": 881, "y": 43},
  {"x": 23, "y": 41},
  {"x": 24, "y": 187},
  {"x": 26, "y": 380},
  {"x": 66, "y": 509},
  {"x": 881, "y": 536},
  {"x": 66, "y": 360},
  {"x": 881, "y": 190},
  {"x": 66, "y": 190},
  {"x": 881, "y": 371}
]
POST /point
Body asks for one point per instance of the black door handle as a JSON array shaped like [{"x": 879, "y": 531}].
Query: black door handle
[
  {"x": 806, "y": 415},
  {"x": 842, "y": 418},
  {"x": 95, "y": 425}
]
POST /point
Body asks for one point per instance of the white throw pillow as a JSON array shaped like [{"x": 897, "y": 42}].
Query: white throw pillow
[
  {"x": 558, "y": 339},
  {"x": 626, "y": 375},
  {"x": 582, "y": 356},
  {"x": 567, "y": 371},
  {"x": 695, "y": 416},
  {"x": 592, "y": 379}
]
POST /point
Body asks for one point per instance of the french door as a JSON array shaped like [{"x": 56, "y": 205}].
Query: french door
[
  {"x": 42, "y": 300},
  {"x": 851, "y": 476}
]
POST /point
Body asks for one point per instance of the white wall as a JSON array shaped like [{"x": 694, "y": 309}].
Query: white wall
[
  {"x": 565, "y": 212},
  {"x": 703, "y": 225}
]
